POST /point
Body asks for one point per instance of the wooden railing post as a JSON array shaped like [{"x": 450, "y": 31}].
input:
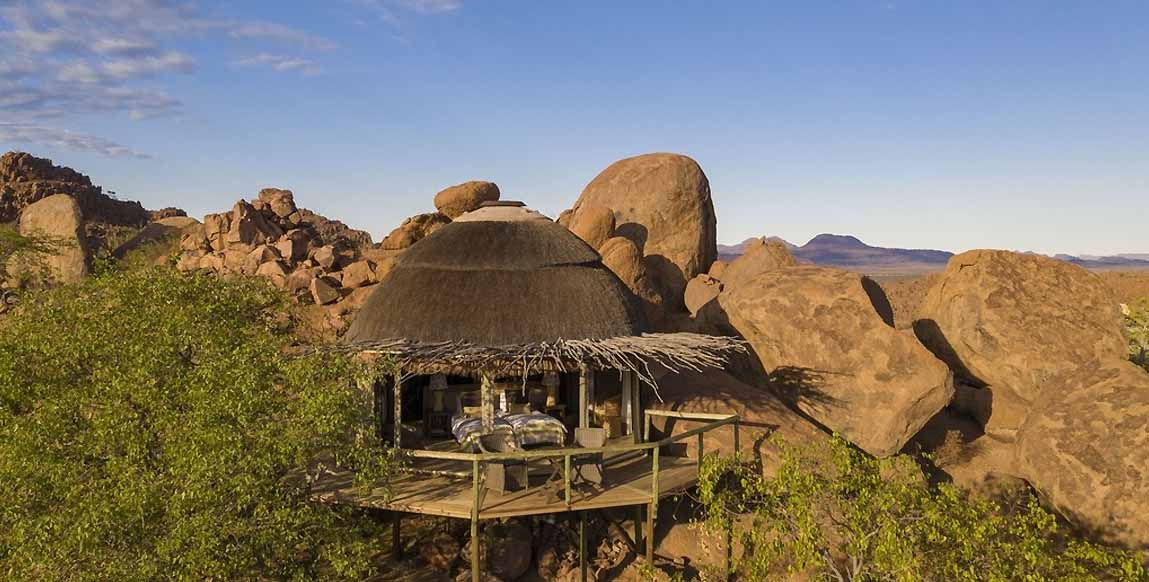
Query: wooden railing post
[
  {"x": 475, "y": 522},
  {"x": 701, "y": 450},
  {"x": 652, "y": 510}
]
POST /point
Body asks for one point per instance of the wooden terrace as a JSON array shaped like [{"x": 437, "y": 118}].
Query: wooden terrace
[{"x": 450, "y": 484}]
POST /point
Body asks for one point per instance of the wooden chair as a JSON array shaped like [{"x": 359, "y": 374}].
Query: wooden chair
[
  {"x": 588, "y": 468},
  {"x": 502, "y": 476}
]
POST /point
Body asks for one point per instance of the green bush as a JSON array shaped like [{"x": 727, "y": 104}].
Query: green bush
[
  {"x": 839, "y": 514},
  {"x": 1137, "y": 329},
  {"x": 151, "y": 427}
]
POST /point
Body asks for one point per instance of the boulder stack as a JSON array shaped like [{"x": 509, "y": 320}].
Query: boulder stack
[
  {"x": 271, "y": 238},
  {"x": 661, "y": 202}
]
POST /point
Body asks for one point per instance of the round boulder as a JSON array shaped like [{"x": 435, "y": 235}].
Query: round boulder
[
  {"x": 594, "y": 225},
  {"x": 463, "y": 198}
]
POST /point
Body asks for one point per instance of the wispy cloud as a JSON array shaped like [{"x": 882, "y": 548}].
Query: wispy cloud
[
  {"x": 72, "y": 57},
  {"x": 392, "y": 11},
  {"x": 39, "y": 135},
  {"x": 280, "y": 63}
]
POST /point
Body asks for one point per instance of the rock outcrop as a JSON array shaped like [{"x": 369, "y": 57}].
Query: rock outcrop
[
  {"x": 826, "y": 349},
  {"x": 414, "y": 229},
  {"x": 662, "y": 203},
  {"x": 58, "y": 220},
  {"x": 26, "y": 179},
  {"x": 460, "y": 199},
  {"x": 1015, "y": 324},
  {"x": 1085, "y": 448}
]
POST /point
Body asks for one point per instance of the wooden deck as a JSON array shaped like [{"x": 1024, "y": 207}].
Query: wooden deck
[{"x": 629, "y": 482}]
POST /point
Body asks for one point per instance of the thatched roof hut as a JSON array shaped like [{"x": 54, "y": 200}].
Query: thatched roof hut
[
  {"x": 504, "y": 288},
  {"x": 498, "y": 276}
]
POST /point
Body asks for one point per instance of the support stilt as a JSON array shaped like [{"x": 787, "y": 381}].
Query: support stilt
[
  {"x": 637, "y": 526},
  {"x": 475, "y": 524},
  {"x": 582, "y": 545},
  {"x": 650, "y": 533},
  {"x": 396, "y": 536}
]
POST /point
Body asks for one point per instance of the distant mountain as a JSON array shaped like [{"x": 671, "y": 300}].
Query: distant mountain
[{"x": 848, "y": 252}]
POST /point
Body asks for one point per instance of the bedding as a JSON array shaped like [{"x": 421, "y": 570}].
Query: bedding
[
  {"x": 467, "y": 429},
  {"x": 536, "y": 428}
]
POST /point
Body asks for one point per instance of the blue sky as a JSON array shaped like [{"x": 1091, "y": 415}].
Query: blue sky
[{"x": 956, "y": 125}]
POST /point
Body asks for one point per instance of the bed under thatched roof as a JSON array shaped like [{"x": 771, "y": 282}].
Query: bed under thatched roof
[{"x": 504, "y": 288}]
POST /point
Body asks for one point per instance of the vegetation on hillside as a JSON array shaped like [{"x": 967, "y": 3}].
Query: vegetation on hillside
[
  {"x": 1137, "y": 329},
  {"x": 151, "y": 427},
  {"x": 836, "y": 513}
]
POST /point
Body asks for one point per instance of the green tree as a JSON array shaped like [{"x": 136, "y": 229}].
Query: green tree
[
  {"x": 27, "y": 249},
  {"x": 839, "y": 514},
  {"x": 152, "y": 427}
]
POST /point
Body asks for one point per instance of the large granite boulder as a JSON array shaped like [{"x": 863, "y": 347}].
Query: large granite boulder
[
  {"x": 58, "y": 220},
  {"x": 1085, "y": 448},
  {"x": 826, "y": 349},
  {"x": 759, "y": 256},
  {"x": 463, "y": 198},
  {"x": 1015, "y": 324},
  {"x": 662, "y": 203}
]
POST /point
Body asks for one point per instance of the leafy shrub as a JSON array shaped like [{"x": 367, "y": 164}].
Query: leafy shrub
[
  {"x": 151, "y": 427},
  {"x": 838, "y": 514},
  {"x": 1137, "y": 329}
]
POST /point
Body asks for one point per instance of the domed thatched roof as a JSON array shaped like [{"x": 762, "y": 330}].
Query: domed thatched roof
[{"x": 501, "y": 275}]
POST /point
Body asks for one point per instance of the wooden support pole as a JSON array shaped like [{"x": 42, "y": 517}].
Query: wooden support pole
[
  {"x": 475, "y": 522},
  {"x": 636, "y": 407},
  {"x": 487, "y": 398},
  {"x": 584, "y": 388},
  {"x": 396, "y": 538},
  {"x": 397, "y": 420},
  {"x": 582, "y": 545},
  {"x": 627, "y": 416},
  {"x": 737, "y": 450}
]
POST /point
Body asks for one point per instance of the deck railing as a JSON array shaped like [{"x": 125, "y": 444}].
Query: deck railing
[{"x": 648, "y": 448}]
